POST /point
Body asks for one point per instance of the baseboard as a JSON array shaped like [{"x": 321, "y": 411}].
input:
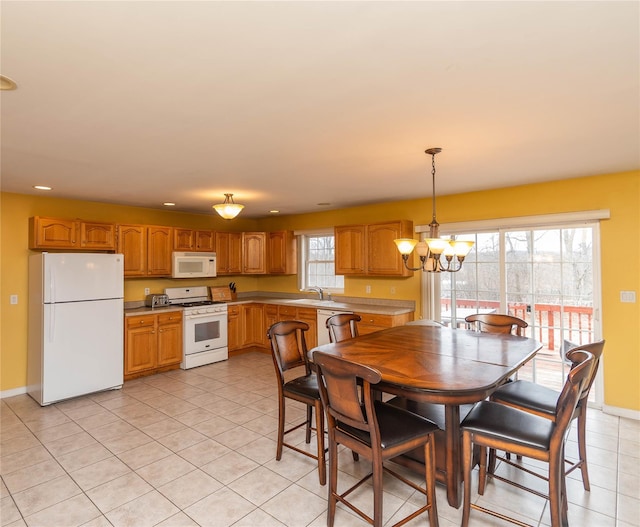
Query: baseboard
[
  {"x": 12, "y": 393},
  {"x": 621, "y": 412}
]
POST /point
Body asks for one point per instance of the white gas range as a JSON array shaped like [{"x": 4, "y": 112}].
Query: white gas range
[{"x": 204, "y": 331}]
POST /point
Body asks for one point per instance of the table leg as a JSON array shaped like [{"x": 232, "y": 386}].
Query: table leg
[{"x": 452, "y": 455}]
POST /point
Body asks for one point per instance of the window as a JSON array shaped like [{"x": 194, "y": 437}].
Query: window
[{"x": 317, "y": 262}]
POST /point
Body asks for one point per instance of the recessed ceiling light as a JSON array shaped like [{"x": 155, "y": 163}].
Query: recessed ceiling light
[
  {"x": 274, "y": 211},
  {"x": 7, "y": 84},
  {"x": 324, "y": 204},
  {"x": 169, "y": 204},
  {"x": 42, "y": 187}
]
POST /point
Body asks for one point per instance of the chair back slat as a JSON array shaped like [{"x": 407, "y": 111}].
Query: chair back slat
[
  {"x": 288, "y": 345},
  {"x": 338, "y": 385},
  {"x": 497, "y": 323},
  {"x": 343, "y": 326},
  {"x": 577, "y": 379},
  {"x": 596, "y": 349}
]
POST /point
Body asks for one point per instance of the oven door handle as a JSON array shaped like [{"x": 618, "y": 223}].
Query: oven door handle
[{"x": 204, "y": 315}]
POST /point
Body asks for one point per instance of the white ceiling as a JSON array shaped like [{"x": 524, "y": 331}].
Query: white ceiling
[{"x": 292, "y": 104}]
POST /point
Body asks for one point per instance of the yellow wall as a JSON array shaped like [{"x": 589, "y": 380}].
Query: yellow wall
[{"x": 620, "y": 193}]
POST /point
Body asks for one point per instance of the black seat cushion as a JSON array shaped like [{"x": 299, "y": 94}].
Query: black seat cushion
[
  {"x": 396, "y": 426},
  {"x": 503, "y": 422},
  {"x": 528, "y": 395},
  {"x": 306, "y": 386}
]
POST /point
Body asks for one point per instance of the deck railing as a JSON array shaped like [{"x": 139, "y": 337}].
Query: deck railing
[{"x": 548, "y": 320}]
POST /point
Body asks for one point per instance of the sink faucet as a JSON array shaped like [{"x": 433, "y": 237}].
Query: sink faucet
[{"x": 317, "y": 290}]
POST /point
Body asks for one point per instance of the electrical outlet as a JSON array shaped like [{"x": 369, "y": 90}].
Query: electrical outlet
[
  {"x": 13, "y": 299},
  {"x": 628, "y": 296},
  {"x": 367, "y": 289},
  {"x": 393, "y": 291},
  {"x": 147, "y": 290}
]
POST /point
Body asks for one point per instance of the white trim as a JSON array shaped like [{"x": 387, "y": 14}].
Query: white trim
[
  {"x": 543, "y": 220},
  {"x": 621, "y": 412},
  {"x": 12, "y": 393}
]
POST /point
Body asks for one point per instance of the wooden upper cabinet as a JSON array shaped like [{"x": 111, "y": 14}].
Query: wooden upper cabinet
[
  {"x": 98, "y": 236},
  {"x": 193, "y": 240},
  {"x": 56, "y": 233},
  {"x": 132, "y": 242},
  {"x": 146, "y": 249},
  {"x": 183, "y": 239},
  {"x": 228, "y": 249},
  {"x": 350, "y": 255},
  {"x": 383, "y": 257},
  {"x": 205, "y": 241},
  {"x": 281, "y": 253},
  {"x": 159, "y": 246},
  {"x": 254, "y": 245},
  {"x": 370, "y": 250}
]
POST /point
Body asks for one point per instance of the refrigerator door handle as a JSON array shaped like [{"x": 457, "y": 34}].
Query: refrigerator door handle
[
  {"x": 52, "y": 285},
  {"x": 52, "y": 322}
]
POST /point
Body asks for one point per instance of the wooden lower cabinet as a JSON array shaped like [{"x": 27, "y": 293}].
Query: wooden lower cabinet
[
  {"x": 153, "y": 343},
  {"x": 248, "y": 323},
  {"x": 374, "y": 322},
  {"x": 245, "y": 326}
]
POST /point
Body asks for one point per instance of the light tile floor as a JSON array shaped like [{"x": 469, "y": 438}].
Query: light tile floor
[{"x": 197, "y": 447}]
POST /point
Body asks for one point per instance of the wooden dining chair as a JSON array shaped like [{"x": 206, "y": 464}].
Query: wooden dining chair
[
  {"x": 540, "y": 400},
  {"x": 497, "y": 323},
  {"x": 375, "y": 430},
  {"x": 491, "y": 425},
  {"x": 343, "y": 326},
  {"x": 289, "y": 353}
]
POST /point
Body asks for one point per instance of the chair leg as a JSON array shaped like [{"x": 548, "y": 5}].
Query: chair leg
[
  {"x": 322, "y": 464},
  {"x": 308, "y": 427},
  {"x": 281, "y": 408},
  {"x": 376, "y": 467},
  {"x": 482, "y": 472},
  {"x": 430, "y": 480},
  {"x": 557, "y": 493},
  {"x": 467, "y": 453},
  {"x": 333, "y": 482},
  {"x": 582, "y": 445},
  {"x": 491, "y": 467}
]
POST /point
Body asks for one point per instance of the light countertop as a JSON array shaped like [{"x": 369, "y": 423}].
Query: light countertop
[{"x": 369, "y": 305}]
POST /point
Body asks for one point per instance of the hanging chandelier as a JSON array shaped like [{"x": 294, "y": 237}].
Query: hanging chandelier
[
  {"x": 432, "y": 249},
  {"x": 229, "y": 209}
]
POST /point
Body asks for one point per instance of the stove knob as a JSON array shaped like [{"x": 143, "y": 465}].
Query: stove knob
[{"x": 202, "y": 310}]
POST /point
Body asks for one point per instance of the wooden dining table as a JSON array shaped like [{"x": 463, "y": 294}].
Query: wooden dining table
[{"x": 443, "y": 369}]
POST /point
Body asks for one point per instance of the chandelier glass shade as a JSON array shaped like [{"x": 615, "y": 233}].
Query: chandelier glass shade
[
  {"x": 436, "y": 254},
  {"x": 229, "y": 209}
]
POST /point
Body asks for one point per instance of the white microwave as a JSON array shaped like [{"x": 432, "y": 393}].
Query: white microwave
[{"x": 193, "y": 265}]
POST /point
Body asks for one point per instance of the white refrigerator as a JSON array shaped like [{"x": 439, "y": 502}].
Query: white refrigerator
[{"x": 75, "y": 335}]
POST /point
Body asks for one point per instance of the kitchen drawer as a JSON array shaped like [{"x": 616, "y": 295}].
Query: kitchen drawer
[
  {"x": 305, "y": 313},
  {"x": 172, "y": 317},
  {"x": 287, "y": 311},
  {"x": 141, "y": 321},
  {"x": 377, "y": 320}
]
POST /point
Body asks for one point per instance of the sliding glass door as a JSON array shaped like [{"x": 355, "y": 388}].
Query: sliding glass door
[{"x": 545, "y": 276}]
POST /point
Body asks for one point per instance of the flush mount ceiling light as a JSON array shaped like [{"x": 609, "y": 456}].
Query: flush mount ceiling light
[
  {"x": 431, "y": 250},
  {"x": 7, "y": 84},
  {"x": 229, "y": 209}
]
